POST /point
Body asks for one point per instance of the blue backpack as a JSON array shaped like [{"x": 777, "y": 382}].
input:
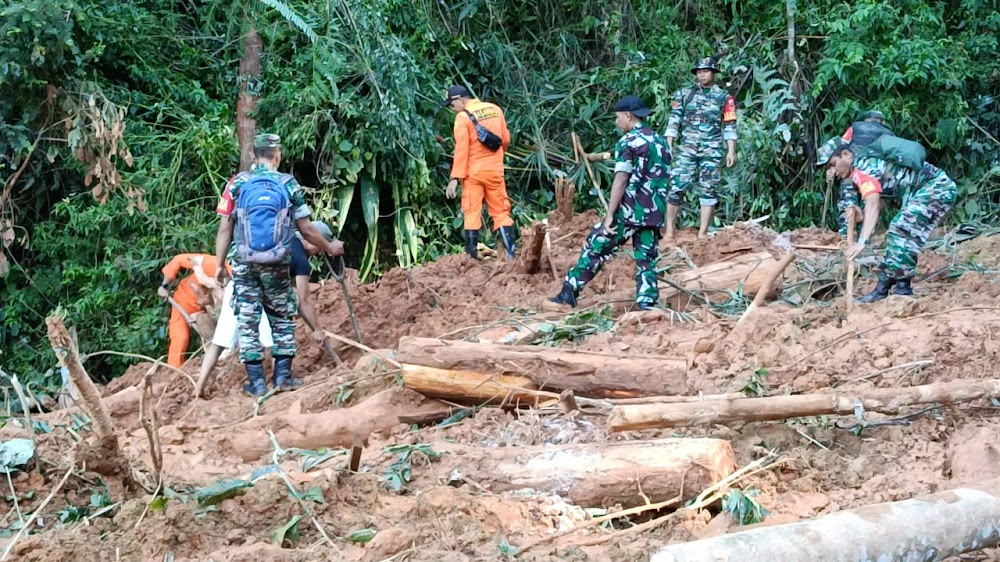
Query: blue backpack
[{"x": 263, "y": 220}]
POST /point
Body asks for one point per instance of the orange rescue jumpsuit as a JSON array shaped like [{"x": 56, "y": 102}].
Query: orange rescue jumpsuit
[
  {"x": 480, "y": 169},
  {"x": 186, "y": 296}
]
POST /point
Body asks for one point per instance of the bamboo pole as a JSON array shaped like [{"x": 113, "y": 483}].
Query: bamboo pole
[{"x": 851, "y": 226}]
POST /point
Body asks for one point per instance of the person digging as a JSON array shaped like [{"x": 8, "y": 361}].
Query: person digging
[{"x": 636, "y": 209}]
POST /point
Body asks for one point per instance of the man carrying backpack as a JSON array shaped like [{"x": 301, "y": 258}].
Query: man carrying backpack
[
  {"x": 481, "y": 139},
  {"x": 269, "y": 206},
  {"x": 886, "y": 168},
  {"x": 868, "y": 127}
]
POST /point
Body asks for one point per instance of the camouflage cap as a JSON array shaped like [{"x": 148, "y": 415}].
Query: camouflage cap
[
  {"x": 825, "y": 152},
  {"x": 871, "y": 114},
  {"x": 707, "y": 63},
  {"x": 267, "y": 140}
]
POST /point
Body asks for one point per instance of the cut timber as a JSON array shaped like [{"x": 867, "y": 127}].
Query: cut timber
[
  {"x": 712, "y": 282},
  {"x": 249, "y": 81},
  {"x": 533, "y": 240},
  {"x": 586, "y": 374},
  {"x": 65, "y": 350},
  {"x": 565, "y": 191},
  {"x": 884, "y": 400},
  {"x": 335, "y": 428},
  {"x": 767, "y": 286},
  {"x": 932, "y": 527},
  {"x": 455, "y": 384},
  {"x": 594, "y": 474}
]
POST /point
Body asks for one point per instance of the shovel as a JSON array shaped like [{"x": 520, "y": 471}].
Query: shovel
[{"x": 334, "y": 269}]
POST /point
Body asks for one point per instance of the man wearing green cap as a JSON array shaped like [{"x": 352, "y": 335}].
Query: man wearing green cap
[
  {"x": 704, "y": 116},
  {"x": 636, "y": 208},
  {"x": 260, "y": 215},
  {"x": 932, "y": 193}
]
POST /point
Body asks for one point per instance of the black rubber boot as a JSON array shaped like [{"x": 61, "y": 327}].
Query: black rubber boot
[
  {"x": 256, "y": 383},
  {"x": 903, "y": 288},
  {"x": 471, "y": 243},
  {"x": 283, "y": 379},
  {"x": 507, "y": 238},
  {"x": 880, "y": 291},
  {"x": 566, "y": 296}
]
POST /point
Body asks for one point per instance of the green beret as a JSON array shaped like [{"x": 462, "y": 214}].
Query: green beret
[{"x": 267, "y": 140}]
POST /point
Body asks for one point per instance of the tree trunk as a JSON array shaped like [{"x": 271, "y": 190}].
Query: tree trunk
[
  {"x": 767, "y": 286},
  {"x": 598, "y": 474},
  {"x": 932, "y": 527},
  {"x": 586, "y": 374},
  {"x": 884, "y": 400},
  {"x": 67, "y": 354},
  {"x": 461, "y": 386},
  {"x": 336, "y": 428},
  {"x": 710, "y": 282},
  {"x": 246, "y": 127},
  {"x": 565, "y": 191},
  {"x": 533, "y": 240}
]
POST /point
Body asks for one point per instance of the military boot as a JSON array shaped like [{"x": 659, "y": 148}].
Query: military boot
[
  {"x": 903, "y": 288},
  {"x": 566, "y": 296},
  {"x": 256, "y": 383},
  {"x": 645, "y": 306},
  {"x": 507, "y": 238},
  {"x": 880, "y": 291},
  {"x": 472, "y": 243},
  {"x": 283, "y": 379}
]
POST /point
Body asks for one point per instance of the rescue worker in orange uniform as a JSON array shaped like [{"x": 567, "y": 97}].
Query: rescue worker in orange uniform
[
  {"x": 481, "y": 140},
  {"x": 193, "y": 293}
]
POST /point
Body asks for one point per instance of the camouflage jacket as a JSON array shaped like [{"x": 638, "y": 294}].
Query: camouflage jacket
[
  {"x": 874, "y": 175},
  {"x": 643, "y": 155},
  {"x": 706, "y": 119}
]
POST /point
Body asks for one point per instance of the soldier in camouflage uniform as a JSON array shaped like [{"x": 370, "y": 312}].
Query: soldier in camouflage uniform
[
  {"x": 932, "y": 193},
  {"x": 868, "y": 126},
  {"x": 636, "y": 209},
  {"x": 703, "y": 115},
  {"x": 267, "y": 288}
]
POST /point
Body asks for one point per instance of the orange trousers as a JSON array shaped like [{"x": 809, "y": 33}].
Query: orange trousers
[
  {"x": 177, "y": 327},
  {"x": 492, "y": 188}
]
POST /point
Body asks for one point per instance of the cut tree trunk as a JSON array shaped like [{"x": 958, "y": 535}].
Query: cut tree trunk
[
  {"x": 65, "y": 350},
  {"x": 565, "y": 191},
  {"x": 585, "y": 373},
  {"x": 595, "y": 474},
  {"x": 336, "y": 428},
  {"x": 458, "y": 385},
  {"x": 767, "y": 286},
  {"x": 246, "y": 127},
  {"x": 932, "y": 527},
  {"x": 710, "y": 282},
  {"x": 884, "y": 400},
  {"x": 533, "y": 241}
]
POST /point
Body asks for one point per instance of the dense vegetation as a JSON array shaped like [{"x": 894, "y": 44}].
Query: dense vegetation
[{"x": 117, "y": 122}]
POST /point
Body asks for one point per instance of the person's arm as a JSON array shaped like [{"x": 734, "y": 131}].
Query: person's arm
[
  {"x": 617, "y": 191},
  {"x": 729, "y": 129},
  {"x": 870, "y": 189},
  {"x": 871, "y": 217},
  {"x": 309, "y": 233},
  {"x": 460, "y": 161},
  {"x": 674, "y": 123},
  {"x": 171, "y": 271},
  {"x": 223, "y": 237},
  {"x": 623, "y": 170}
]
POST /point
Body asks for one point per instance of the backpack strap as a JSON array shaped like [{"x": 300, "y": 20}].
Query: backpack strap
[{"x": 471, "y": 117}]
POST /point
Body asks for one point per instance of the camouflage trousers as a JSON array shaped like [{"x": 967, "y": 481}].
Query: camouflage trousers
[
  {"x": 263, "y": 289},
  {"x": 691, "y": 166},
  {"x": 601, "y": 246},
  {"x": 909, "y": 231}
]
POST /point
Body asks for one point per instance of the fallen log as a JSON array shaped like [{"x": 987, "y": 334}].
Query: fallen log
[
  {"x": 767, "y": 286},
  {"x": 461, "y": 385},
  {"x": 65, "y": 350},
  {"x": 335, "y": 428},
  {"x": 626, "y": 473},
  {"x": 711, "y": 282},
  {"x": 932, "y": 527},
  {"x": 883, "y": 400},
  {"x": 587, "y": 374}
]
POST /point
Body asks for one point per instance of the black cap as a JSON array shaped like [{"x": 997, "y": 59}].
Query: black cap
[
  {"x": 453, "y": 93},
  {"x": 633, "y": 104}
]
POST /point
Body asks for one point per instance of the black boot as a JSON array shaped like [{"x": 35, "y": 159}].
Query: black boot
[
  {"x": 472, "y": 243},
  {"x": 566, "y": 296},
  {"x": 283, "y": 379},
  {"x": 256, "y": 383},
  {"x": 880, "y": 291},
  {"x": 507, "y": 238},
  {"x": 903, "y": 288}
]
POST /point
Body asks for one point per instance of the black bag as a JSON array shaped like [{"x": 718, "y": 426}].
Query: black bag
[{"x": 489, "y": 139}]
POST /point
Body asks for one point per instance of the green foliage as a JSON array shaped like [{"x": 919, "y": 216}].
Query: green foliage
[
  {"x": 361, "y": 536},
  {"x": 400, "y": 471},
  {"x": 577, "y": 325},
  {"x": 743, "y": 506},
  {"x": 287, "y": 534},
  {"x": 222, "y": 490},
  {"x": 353, "y": 90}
]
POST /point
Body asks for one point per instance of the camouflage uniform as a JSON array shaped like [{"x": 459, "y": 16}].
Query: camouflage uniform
[
  {"x": 703, "y": 119},
  {"x": 932, "y": 193},
  {"x": 259, "y": 287},
  {"x": 641, "y": 214}
]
